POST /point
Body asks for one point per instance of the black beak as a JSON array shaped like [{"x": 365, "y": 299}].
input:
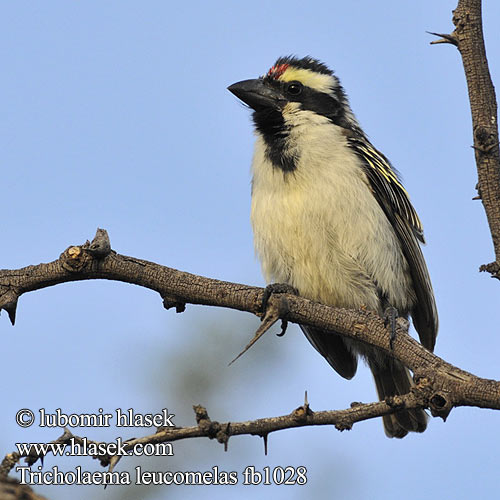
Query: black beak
[{"x": 257, "y": 94}]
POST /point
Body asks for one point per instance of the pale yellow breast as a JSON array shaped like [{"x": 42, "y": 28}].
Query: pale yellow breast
[{"x": 320, "y": 229}]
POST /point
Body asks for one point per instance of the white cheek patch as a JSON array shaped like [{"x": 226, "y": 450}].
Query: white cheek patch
[
  {"x": 317, "y": 81},
  {"x": 295, "y": 116}
]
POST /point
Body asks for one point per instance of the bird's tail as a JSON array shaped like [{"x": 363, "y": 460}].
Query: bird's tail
[{"x": 393, "y": 379}]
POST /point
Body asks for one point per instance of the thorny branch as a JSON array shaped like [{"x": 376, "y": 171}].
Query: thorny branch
[
  {"x": 438, "y": 385},
  {"x": 300, "y": 417},
  {"x": 468, "y": 38}
]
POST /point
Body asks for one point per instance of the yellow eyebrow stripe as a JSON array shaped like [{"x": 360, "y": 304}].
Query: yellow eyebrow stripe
[{"x": 316, "y": 81}]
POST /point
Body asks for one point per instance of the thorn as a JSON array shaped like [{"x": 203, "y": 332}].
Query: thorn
[
  {"x": 444, "y": 39},
  {"x": 476, "y": 198},
  {"x": 306, "y": 402},
  {"x": 272, "y": 315},
  {"x": 67, "y": 434},
  {"x": 226, "y": 440},
  {"x": 100, "y": 246},
  {"x": 223, "y": 434},
  {"x": 264, "y": 437},
  {"x": 9, "y": 303},
  {"x": 113, "y": 461},
  {"x": 11, "y": 310}
]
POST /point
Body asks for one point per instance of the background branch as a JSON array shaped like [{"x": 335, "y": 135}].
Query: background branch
[
  {"x": 468, "y": 38},
  {"x": 302, "y": 416}
]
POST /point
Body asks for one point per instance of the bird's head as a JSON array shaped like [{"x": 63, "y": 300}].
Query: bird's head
[{"x": 294, "y": 85}]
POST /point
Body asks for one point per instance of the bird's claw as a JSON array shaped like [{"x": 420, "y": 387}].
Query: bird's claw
[
  {"x": 390, "y": 317},
  {"x": 274, "y": 288},
  {"x": 284, "y": 326}
]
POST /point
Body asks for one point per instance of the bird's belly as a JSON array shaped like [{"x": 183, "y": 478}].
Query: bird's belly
[{"x": 334, "y": 249}]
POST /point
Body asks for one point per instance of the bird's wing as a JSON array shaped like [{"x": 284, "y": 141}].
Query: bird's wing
[
  {"x": 395, "y": 202},
  {"x": 333, "y": 348}
]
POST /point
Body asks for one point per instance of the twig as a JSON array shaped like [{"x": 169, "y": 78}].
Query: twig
[{"x": 302, "y": 416}]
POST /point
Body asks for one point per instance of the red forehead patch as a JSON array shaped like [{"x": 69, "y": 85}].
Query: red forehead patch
[{"x": 276, "y": 71}]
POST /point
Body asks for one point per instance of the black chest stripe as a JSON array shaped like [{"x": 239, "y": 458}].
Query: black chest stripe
[{"x": 271, "y": 125}]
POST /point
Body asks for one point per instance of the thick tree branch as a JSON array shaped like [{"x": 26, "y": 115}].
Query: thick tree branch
[
  {"x": 442, "y": 385},
  {"x": 468, "y": 38}
]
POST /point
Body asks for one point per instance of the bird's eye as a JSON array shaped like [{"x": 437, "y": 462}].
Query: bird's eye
[{"x": 294, "y": 88}]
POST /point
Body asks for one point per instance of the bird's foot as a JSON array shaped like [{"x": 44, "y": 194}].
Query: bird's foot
[
  {"x": 277, "y": 288},
  {"x": 390, "y": 317}
]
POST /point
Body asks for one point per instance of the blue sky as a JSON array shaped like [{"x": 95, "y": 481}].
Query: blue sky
[{"x": 116, "y": 115}]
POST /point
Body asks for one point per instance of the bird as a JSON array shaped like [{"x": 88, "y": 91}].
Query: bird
[{"x": 331, "y": 219}]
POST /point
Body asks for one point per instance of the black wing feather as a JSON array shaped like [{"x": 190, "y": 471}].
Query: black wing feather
[
  {"x": 395, "y": 202},
  {"x": 333, "y": 348}
]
